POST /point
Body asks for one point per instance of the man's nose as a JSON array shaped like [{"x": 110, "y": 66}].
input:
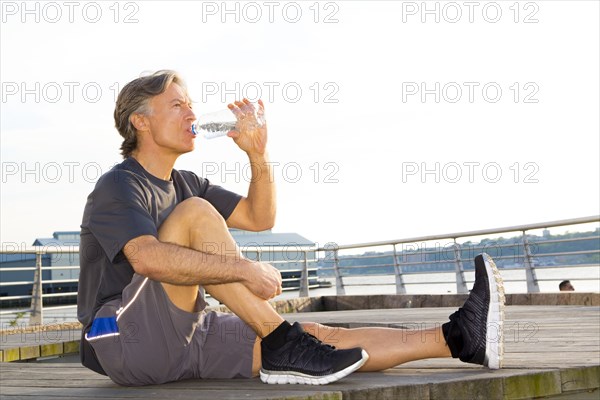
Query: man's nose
[{"x": 191, "y": 115}]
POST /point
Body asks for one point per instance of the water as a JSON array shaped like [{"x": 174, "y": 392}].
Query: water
[
  {"x": 212, "y": 130},
  {"x": 584, "y": 279},
  {"x": 219, "y": 123}
]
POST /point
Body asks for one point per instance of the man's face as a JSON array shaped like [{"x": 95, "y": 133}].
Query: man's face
[{"x": 170, "y": 121}]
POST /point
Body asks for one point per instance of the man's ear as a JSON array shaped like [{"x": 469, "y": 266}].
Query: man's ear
[{"x": 139, "y": 121}]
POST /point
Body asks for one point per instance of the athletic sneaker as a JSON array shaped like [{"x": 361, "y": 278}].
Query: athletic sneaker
[
  {"x": 474, "y": 333},
  {"x": 303, "y": 359}
]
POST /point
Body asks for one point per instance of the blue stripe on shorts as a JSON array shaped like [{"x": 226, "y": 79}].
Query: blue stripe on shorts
[{"x": 103, "y": 326}]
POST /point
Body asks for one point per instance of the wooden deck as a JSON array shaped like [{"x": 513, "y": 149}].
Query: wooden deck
[{"x": 550, "y": 350}]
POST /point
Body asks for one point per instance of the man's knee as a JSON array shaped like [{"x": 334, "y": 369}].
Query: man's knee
[
  {"x": 197, "y": 205},
  {"x": 195, "y": 209},
  {"x": 189, "y": 215}
]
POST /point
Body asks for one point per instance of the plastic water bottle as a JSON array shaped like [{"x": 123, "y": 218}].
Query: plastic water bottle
[
  {"x": 211, "y": 130},
  {"x": 217, "y": 124}
]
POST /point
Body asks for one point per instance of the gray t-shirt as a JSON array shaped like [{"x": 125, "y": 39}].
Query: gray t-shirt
[{"x": 128, "y": 202}]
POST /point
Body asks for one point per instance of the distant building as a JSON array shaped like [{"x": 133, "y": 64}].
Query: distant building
[
  {"x": 283, "y": 250},
  {"x": 58, "y": 240},
  {"x": 55, "y": 279}
]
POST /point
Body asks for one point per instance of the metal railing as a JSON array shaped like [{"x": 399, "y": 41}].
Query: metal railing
[
  {"x": 433, "y": 250},
  {"x": 36, "y": 309},
  {"x": 416, "y": 256}
]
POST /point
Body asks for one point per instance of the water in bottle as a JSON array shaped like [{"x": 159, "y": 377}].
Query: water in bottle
[{"x": 219, "y": 123}]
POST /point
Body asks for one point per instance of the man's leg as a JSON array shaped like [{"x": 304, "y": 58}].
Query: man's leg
[
  {"x": 197, "y": 225},
  {"x": 474, "y": 333},
  {"x": 387, "y": 347},
  {"x": 290, "y": 354}
]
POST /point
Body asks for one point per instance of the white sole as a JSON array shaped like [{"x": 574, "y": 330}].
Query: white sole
[
  {"x": 291, "y": 377},
  {"x": 494, "y": 347}
]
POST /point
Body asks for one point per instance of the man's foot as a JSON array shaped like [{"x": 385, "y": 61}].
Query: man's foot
[
  {"x": 474, "y": 333},
  {"x": 304, "y": 359}
]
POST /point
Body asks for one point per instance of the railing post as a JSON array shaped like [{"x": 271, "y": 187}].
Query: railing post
[
  {"x": 461, "y": 283},
  {"x": 339, "y": 283},
  {"x": 532, "y": 282},
  {"x": 400, "y": 288},
  {"x": 37, "y": 312},
  {"x": 304, "y": 277}
]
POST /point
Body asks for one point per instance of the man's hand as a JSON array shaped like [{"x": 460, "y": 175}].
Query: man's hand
[
  {"x": 249, "y": 135},
  {"x": 263, "y": 280}
]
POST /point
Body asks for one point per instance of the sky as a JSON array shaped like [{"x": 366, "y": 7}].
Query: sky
[{"x": 387, "y": 119}]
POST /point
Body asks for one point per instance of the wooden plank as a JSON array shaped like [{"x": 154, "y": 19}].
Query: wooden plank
[
  {"x": 71, "y": 347},
  {"x": 543, "y": 384},
  {"x": 580, "y": 379},
  {"x": 280, "y": 392},
  {"x": 49, "y": 375},
  {"x": 28, "y": 352},
  {"x": 11, "y": 354},
  {"x": 16, "y": 381},
  {"x": 53, "y": 349},
  {"x": 563, "y": 355}
]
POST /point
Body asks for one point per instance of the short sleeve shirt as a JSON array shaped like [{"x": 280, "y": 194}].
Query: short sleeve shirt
[{"x": 128, "y": 202}]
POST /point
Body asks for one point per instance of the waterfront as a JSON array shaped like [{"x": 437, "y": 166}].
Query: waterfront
[{"x": 584, "y": 279}]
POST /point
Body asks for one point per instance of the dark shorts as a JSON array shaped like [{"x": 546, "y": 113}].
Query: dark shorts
[{"x": 144, "y": 339}]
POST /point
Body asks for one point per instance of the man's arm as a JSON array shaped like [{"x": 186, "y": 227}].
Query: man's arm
[
  {"x": 256, "y": 212},
  {"x": 177, "y": 265}
]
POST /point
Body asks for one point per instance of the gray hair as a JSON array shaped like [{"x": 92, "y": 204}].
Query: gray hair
[{"x": 134, "y": 98}]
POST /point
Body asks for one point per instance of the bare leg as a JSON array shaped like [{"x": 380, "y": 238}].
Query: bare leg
[
  {"x": 387, "y": 347},
  {"x": 196, "y": 224}
]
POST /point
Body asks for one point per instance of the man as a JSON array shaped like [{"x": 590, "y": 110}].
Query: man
[
  {"x": 565, "y": 286},
  {"x": 154, "y": 238}
]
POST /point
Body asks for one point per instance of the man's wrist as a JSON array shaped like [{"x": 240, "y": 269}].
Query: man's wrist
[
  {"x": 244, "y": 269},
  {"x": 258, "y": 158},
  {"x": 261, "y": 167}
]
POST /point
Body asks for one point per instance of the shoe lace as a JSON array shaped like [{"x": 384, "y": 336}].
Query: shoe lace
[
  {"x": 463, "y": 313},
  {"x": 309, "y": 341}
]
